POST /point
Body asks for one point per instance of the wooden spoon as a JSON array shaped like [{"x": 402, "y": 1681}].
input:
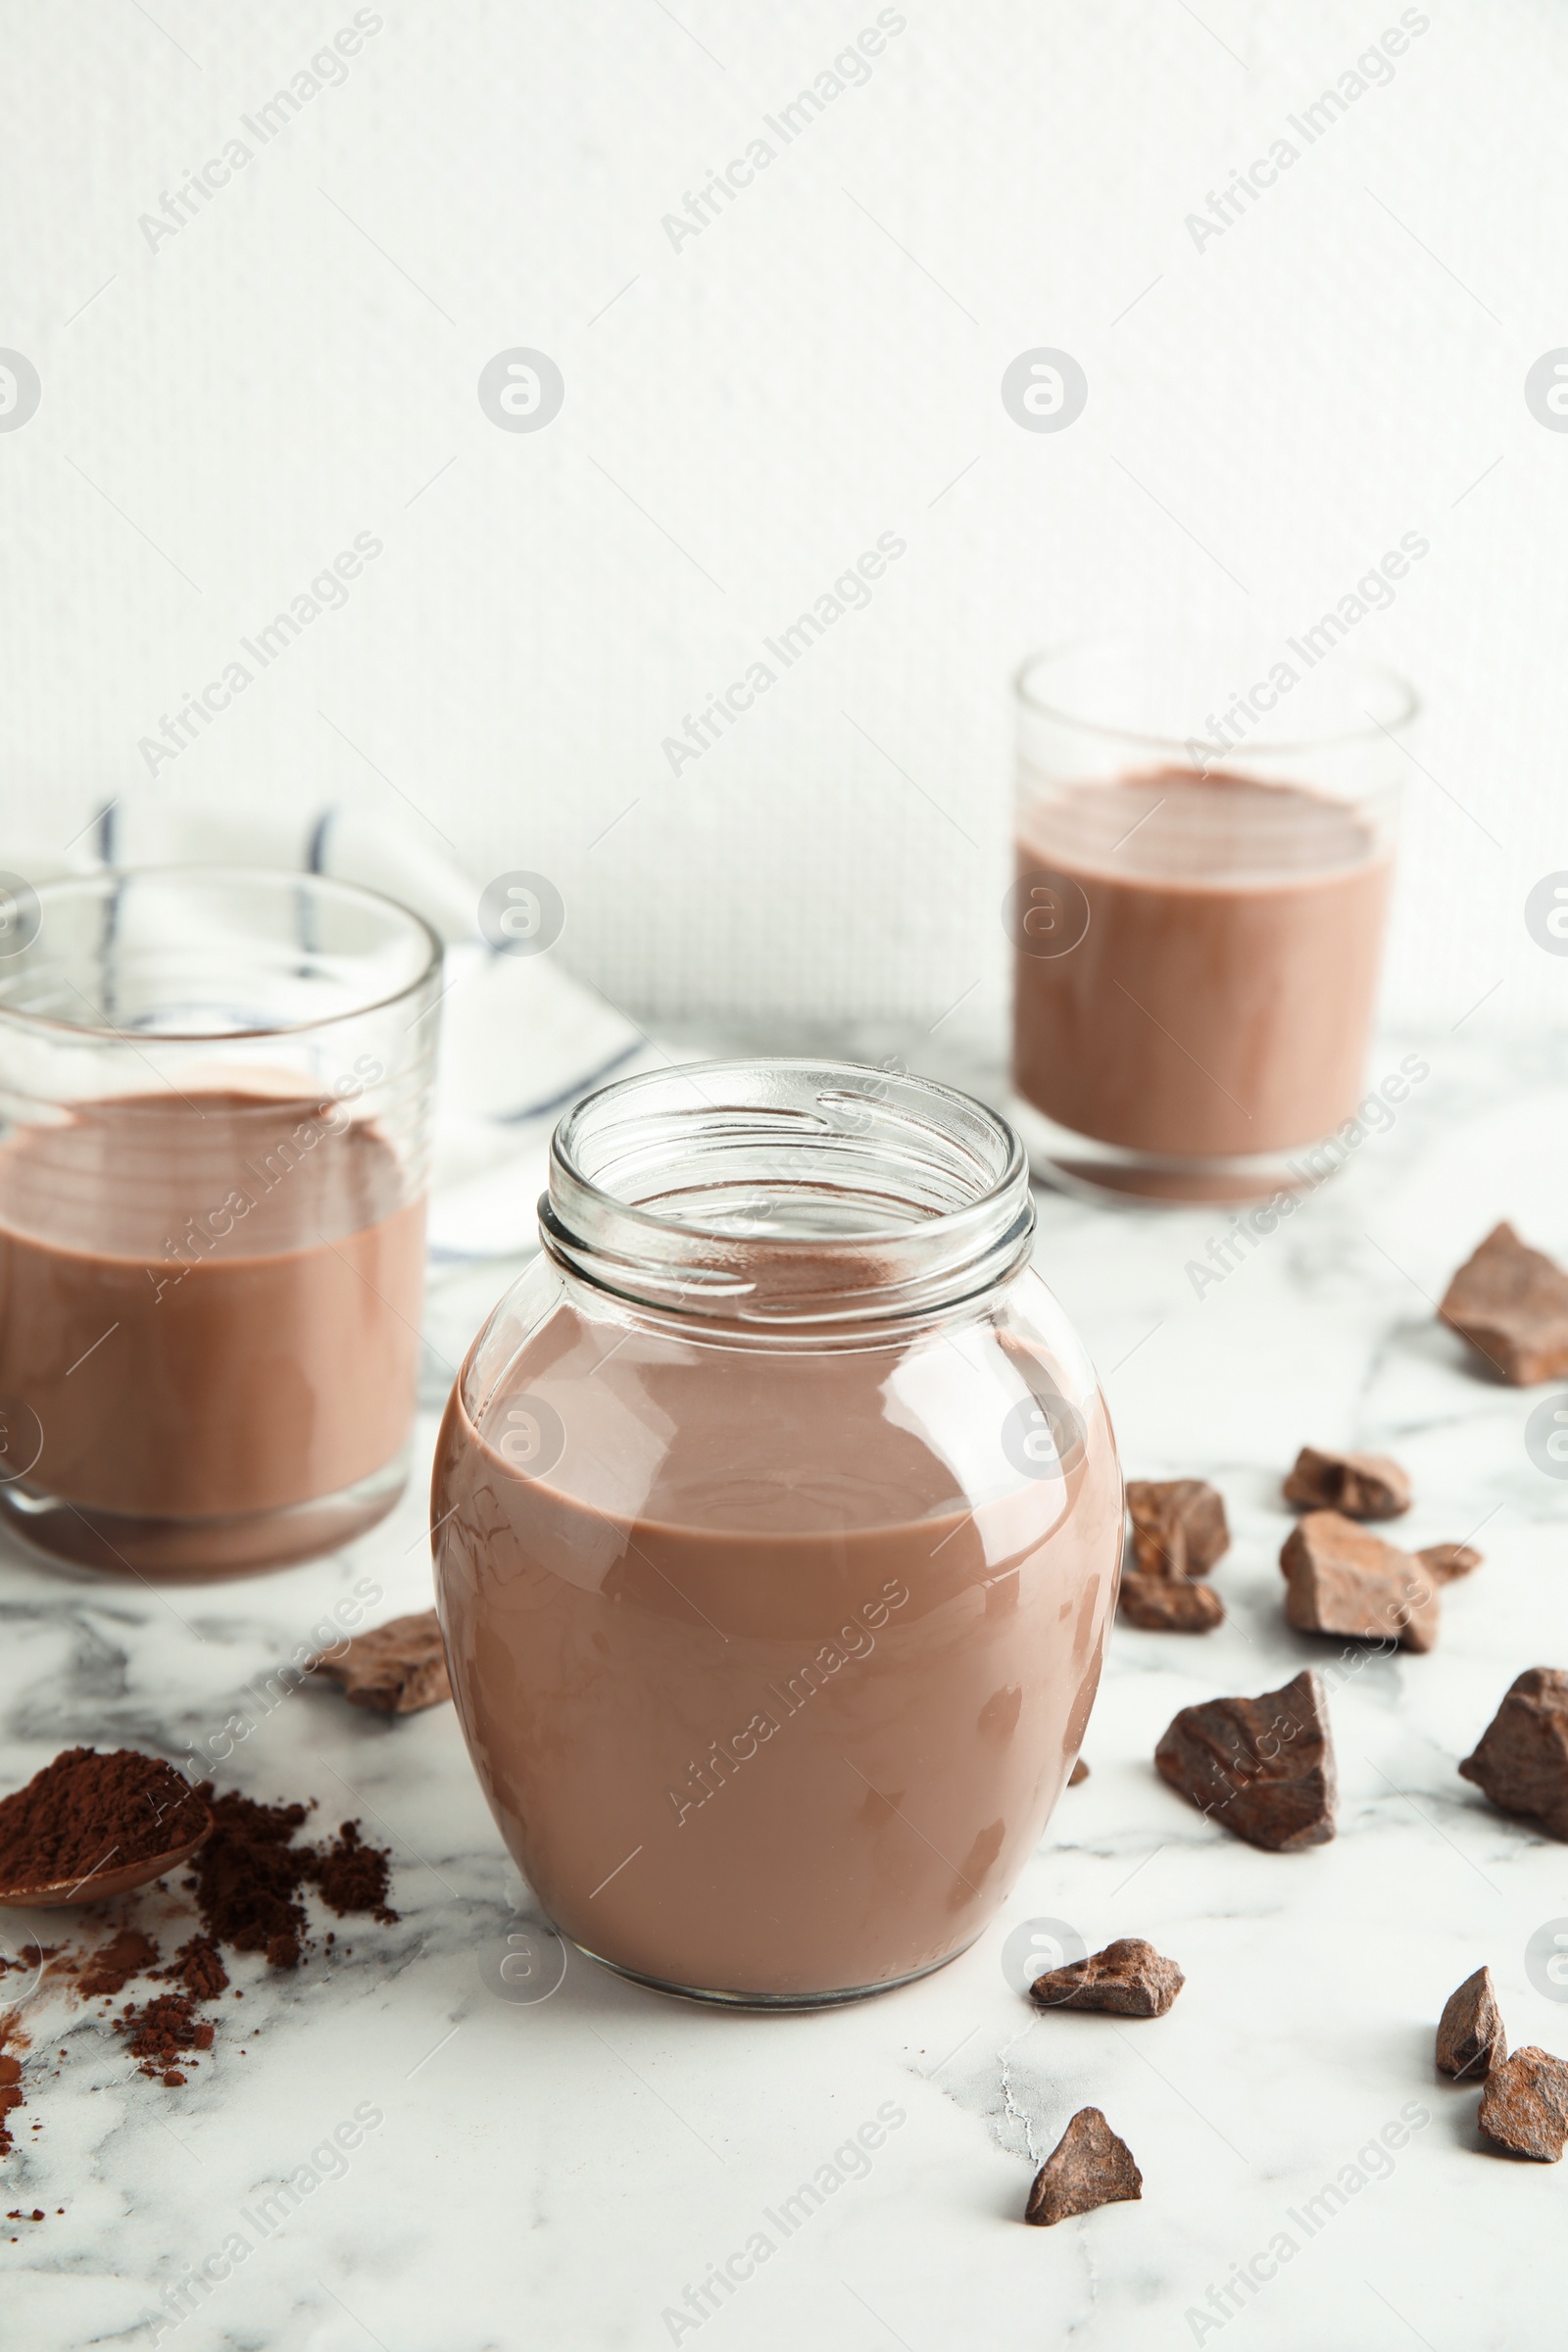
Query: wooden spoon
[{"x": 102, "y": 1882}]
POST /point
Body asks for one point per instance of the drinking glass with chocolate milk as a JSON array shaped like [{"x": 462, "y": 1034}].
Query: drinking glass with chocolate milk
[
  {"x": 1205, "y": 844},
  {"x": 777, "y": 1519},
  {"x": 214, "y": 1117}
]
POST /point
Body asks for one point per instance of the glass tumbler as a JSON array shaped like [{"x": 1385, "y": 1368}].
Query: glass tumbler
[
  {"x": 214, "y": 1121},
  {"x": 779, "y": 1520},
  {"x": 1205, "y": 843}
]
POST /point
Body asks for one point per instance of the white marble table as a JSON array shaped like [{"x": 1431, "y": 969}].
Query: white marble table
[{"x": 557, "y": 2175}]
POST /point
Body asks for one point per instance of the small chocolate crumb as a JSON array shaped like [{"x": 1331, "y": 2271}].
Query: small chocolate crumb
[
  {"x": 1128, "y": 1977},
  {"x": 1179, "y": 1526},
  {"x": 1522, "y": 1759},
  {"x": 1088, "y": 2167},
  {"x": 1470, "y": 2034},
  {"x": 1510, "y": 1303},
  {"x": 1263, "y": 1767},
  {"x": 1079, "y": 1772},
  {"x": 1524, "y": 2107},
  {"x": 1363, "y": 1486},
  {"x": 1445, "y": 1561},
  {"x": 1170, "y": 1604},
  {"x": 395, "y": 1669},
  {"x": 1340, "y": 1579}
]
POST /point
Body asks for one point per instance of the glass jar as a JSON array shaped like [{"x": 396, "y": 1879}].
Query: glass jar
[
  {"x": 1204, "y": 845},
  {"x": 214, "y": 1121},
  {"x": 778, "y": 1523}
]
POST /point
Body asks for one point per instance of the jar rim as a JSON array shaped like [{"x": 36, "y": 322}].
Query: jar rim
[{"x": 929, "y": 1190}]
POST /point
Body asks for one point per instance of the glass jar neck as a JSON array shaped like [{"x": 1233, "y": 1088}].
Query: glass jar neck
[{"x": 796, "y": 1194}]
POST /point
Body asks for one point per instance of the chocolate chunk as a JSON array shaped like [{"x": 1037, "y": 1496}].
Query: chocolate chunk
[
  {"x": 1522, "y": 1760},
  {"x": 1088, "y": 2167},
  {"x": 1511, "y": 1303},
  {"x": 1340, "y": 1580},
  {"x": 1363, "y": 1486},
  {"x": 1524, "y": 2107},
  {"x": 1445, "y": 1561},
  {"x": 1170, "y": 1604},
  {"x": 1128, "y": 1977},
  {"x": 1079, "y": 1772},
  {"x": 1470, "y": 2034},
  {"x": 1179, "y": 1526},
  {"x": 396, "y": 1668},
  {"x": 1263, "y": 1767}
]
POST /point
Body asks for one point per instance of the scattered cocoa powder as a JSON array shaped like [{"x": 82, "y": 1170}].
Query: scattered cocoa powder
[
  {"x": 12, "y": 2097},
  {"x": 248, "y": 1879},
  {"x": 199, "y": 1966},
  {"x": 354, "y": 1876},
  {"x": 248, "y": 1876},
  {"x": 128, "y": 1954},
  {"x": 85, "y": 1811},
  {"x": 160, "y": 2030}
]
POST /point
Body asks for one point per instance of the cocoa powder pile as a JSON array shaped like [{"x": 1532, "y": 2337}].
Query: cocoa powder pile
[
  {"x": 248, "y": 1879},
  {"x": 249, "y": 1874},
  {"x": 86, "y": 1811}
]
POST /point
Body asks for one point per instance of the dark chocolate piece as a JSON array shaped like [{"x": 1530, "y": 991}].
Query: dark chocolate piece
[
  {"x": 1263, "y": 1767},
  {"x": 1470, "y": 2034},
  {"x": 396, "y": 1668},
  {"x": 1179, "y": 1526},
  {"x": 1363, "y": 1486},
  {"x": 1522, "y": 1760},
  {"x": 1511, "y": 1303},
  {"x": 1340, "y": 1579},
  {"x": 1170, "y": 1604},
  {"x": 1128, "y": 1977},
  {"x": 1445, "y": 1561},
  {"x": 1079, "y": 1772},
  {"x": 1088, "y": 2167},
  {"x": 1524, "y": 2107}
]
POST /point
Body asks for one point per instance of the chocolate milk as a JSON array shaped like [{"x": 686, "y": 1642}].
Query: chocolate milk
[
  {"x": 1220, "y": 1000},
  {"x": 761, "y": 1705},
  {"x": 209, "y": 1308}
]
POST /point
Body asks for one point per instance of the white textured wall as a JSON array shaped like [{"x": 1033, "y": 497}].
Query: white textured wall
[{"x": 298, "y": 364}]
